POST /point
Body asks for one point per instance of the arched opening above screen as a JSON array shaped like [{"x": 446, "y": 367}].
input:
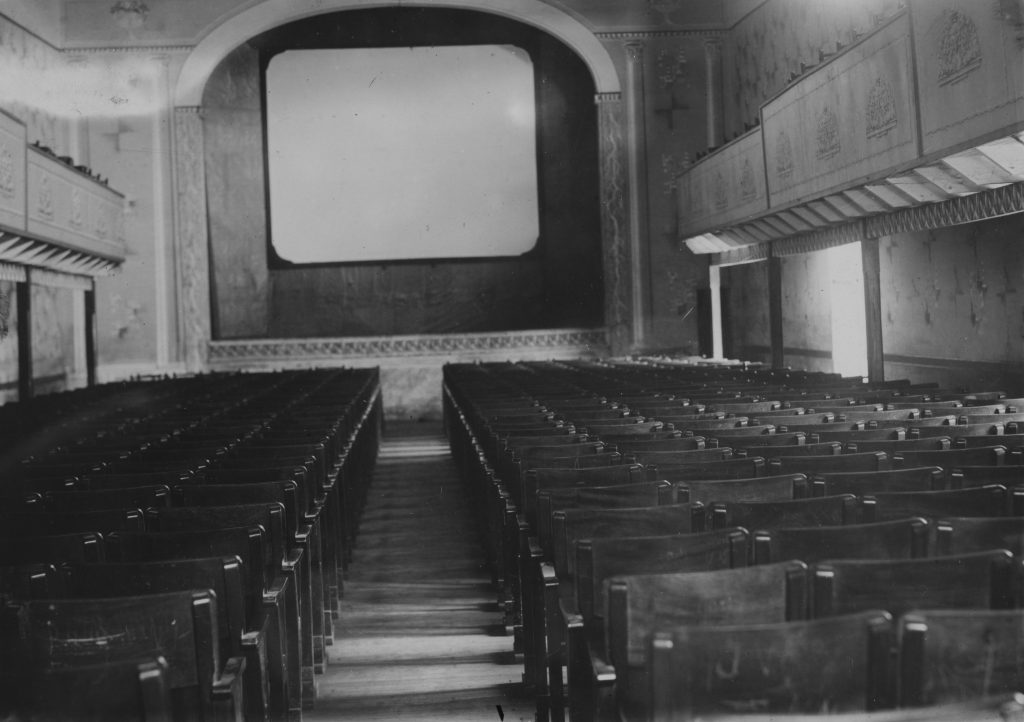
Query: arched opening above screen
[{"x": 401, "y": 153}]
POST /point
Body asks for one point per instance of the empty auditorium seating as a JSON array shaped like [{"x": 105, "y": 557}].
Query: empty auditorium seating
[
  {"x": 860, "y": 504},
  {"x": 190, "y": 549}
]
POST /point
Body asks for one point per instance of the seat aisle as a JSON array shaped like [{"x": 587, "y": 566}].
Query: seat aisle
[{"x": 420, "y": 635}]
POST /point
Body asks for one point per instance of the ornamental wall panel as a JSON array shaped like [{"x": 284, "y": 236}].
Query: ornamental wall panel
[
  {"x": 72, "y": 210},
  {"x": 970, "y": 67},
  {"x": 725, "y": 188},
  {"x": 850, "y": 120},
  {"x": 12, "y": 172}
]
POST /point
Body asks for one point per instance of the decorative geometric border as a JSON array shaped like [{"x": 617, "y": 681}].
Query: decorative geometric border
[
  {"x": 41, "y": 277},
  {"x": 591, "y": 342},
  {"x": 956, "y": 211},
  {"x": 12, "y": 272},
  {"x": 746, "y": 254},
  {"x": 819, "y": 240}
]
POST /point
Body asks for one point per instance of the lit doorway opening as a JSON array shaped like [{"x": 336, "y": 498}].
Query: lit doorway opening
[{"x": 849, "y": 328}]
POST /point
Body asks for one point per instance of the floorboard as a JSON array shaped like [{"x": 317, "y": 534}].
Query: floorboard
[{"x": 420, "y": 635}]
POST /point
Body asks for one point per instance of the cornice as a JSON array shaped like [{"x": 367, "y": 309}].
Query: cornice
[
  {"x": 130, "y": 49},
  {"x": 652, "y": 34}
]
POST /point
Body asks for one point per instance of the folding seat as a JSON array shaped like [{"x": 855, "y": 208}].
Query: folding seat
[
  {"x": 271, "y": 601},
  {"x": 130, "y": 690},
  {"x": 179, "y": 626},
  {"x": 761, "y": 488},
  {"x": 988, "y": 500},
  {"x": 640, "y": 604},
  {"x": 898, "y": 539},
  {"x": 129, "y": 497},
  {"x": 981, "y": 580},
  {"x": 840, "y": 664},
  {"x": 953, "y": 655},
  {"x": 575, "y": 603},
  {"x": 281, "y": 557},
  {"x": 239, "y": 636},
  {"x": 864, "y": 461},
  {"x": 925, "y": 478},
  {"x": 757, "y": 515}
]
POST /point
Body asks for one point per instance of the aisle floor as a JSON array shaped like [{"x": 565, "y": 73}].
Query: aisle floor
[{"x": 420, "y": 635}]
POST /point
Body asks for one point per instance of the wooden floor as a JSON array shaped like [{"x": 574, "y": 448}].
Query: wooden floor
[{"x": 420, "y": 634}]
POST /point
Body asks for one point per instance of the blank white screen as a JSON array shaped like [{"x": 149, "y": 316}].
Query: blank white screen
[{"x": 380, "y": 154}]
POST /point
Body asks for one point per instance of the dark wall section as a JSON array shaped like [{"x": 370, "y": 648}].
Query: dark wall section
[{"x": 558, "y": 284}]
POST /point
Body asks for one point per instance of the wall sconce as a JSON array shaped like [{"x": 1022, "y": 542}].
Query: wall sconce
[{"x": 129, "y": 14}]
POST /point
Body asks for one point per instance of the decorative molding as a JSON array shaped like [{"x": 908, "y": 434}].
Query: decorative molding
[
  {"x": 783, "y": 155},
  {"x": 614, "y": 226},
  {"x": 748, "y": 186},
  {"x": 981, "y": 206},
  {"x": 671, "y": 66},
  {"x": 601, "y": 98},
  {"x": 124, "y": 49},
  {"x": 719, "y": 191},
  {"x": 652, "y": 34},
  {"x": 827, "y": 135},
  {"x": 819, "y": 240},
  {"x": 671, "y": 168},
  {"x": 190, "y": 226},
  {"x": 588, "y": 342},
  {"x": 44, "y": 198},
  {"x": 42, "y": 277},
  {"x": 12, "y": 272},
  {"x": 881, "y": 108},
  {"x": 959, "y": 48},
  {"x": 7, "y": 176},
  {"x": 75, "y": 218}
]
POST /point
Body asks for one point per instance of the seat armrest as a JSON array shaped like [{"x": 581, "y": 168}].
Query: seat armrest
[
  {"x": 291, "y": 560},
  {"x": 257, "y": 701},
  {"x": 227, "y": 689}
]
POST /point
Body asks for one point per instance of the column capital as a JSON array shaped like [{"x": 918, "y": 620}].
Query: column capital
[
  {"x": 602, "y": 98},
  {"x": 635, "y": 51}
]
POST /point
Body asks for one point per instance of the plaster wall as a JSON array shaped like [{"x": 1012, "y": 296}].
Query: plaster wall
[
  {"x": 953, "y": 304},
  {"x": 806, "y": 312},
  {"x": 747, "y": 334}
]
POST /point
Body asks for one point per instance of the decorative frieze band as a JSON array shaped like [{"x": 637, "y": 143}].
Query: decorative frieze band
[
  {"x": 819, "y": 240},
  {"x": 42, "y": 277},
  {"x": 12, "y": 272},
  {"x": 583, "y": 342},
  {"x": 651, "y": 34},
  {"x": 953, "y": 212}
]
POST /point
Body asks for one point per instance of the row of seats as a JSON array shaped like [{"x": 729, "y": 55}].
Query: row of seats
[
  {"x": 673, "y": 541},
  {"x": 175, "y": 549}
]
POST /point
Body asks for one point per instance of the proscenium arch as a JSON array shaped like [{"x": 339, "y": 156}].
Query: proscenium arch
[{"x": 268, "y": 14}]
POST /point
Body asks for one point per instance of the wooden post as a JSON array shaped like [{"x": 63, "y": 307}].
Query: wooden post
[
  {"x": 775, "y": 309},
  {"x": 90, "y": 335},
  {"x": 26, "y": 382},
  {"x": 873, "y": 308}
]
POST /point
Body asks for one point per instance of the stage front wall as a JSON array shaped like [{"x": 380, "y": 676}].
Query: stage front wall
[{"x": 558, "y": 285}]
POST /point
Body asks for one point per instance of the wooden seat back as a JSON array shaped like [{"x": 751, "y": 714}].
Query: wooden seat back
[
  {"x": 925, "y": 478},
  {"x": 820, "y": 511},
  {"x": 839, "y": 664},
  {"x": 640, "y": 604},
  {"x": 899, "y": 539},
  {"x": 988, "y": 500},
  {"x": 760, "y": 488},
  {"x": 573, "y": 524},
  {"x": 954, "y": 655},
  {"x": 981, "y": 580}
]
